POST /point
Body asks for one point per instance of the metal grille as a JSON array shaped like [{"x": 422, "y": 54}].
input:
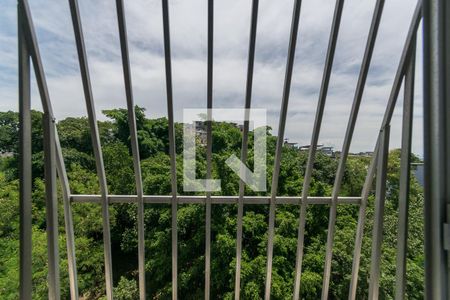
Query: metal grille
[{"x": 54, "y": 162}]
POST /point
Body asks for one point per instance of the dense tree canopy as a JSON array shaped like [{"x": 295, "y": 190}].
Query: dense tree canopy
[{"x": 75, "y": 140}]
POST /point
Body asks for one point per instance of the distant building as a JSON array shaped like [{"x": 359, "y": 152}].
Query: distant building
[
  {"x": 327, "y": 150},
  {"x": 290, "y": 144},
  {"x": 362, "y": 154},
  {"x": 306, "y": 147}
]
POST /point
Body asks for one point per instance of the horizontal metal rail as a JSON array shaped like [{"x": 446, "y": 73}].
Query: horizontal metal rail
[{"x": 163, "y": 199}]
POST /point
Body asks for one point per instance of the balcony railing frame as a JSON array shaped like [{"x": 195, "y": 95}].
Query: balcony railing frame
[{"x": 437, "y": 150}]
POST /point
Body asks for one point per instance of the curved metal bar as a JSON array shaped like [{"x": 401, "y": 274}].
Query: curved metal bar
[
  {"x": 314, "y": 140},
  {"x": 134, "y": 144},
  {"x": 68, "y": 220},
  {"x": 51, "y": 207},
  {"x": 172, "y": 153},
  {"x": 84, "y": 69},
  {"x": 405, "y": 173},
  {"x": 244, "y": 151},
  {"x": 29, "y": 35},
  {"x": 377, "y": 231},
  {"x": 386, "y": 121},
  {"x": 347, "y": 140},
  {"x": 280, "y": 137}
]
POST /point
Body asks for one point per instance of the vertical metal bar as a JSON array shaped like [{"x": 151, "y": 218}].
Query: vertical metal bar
[
  {"x": 347, "y": 141},
  {"x": 409, "y": 45},
  {"x": 173, "y": 168},
  {"x": 209, "y": 100},
  {"x": 51, "y": 207},
  {"x": 33, "y": 47},
  {"x": 84, "y": 69},
  {"x": 134, "y": 144},
  {"x": 361, "y": 221},
  {"x": 244, "y": 150},
  {"x": 446, "y": 85},
  {"x": 377, "y": 232},
  {"x": 436, "y": 101},
  {"x": 314, "y": 139},
  {"x": 68, "y": 222},
  {"x": 25, "y": 183},
  {"x": 30, "y": 36},
  {"x": 405, "y": 169},
  {"x": 279, "y": 146}
]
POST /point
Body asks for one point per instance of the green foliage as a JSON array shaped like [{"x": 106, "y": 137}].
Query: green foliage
[
  {"x": 126, "y": 290},
  {"x": 74, "y": 134},
  {"x": 152, "y": 134},
  {"x": 9, "y": 129},
  {"x": 119, "y": 168}
]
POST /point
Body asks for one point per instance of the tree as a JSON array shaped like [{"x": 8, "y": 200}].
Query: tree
[{"x": 153, "y": 141}]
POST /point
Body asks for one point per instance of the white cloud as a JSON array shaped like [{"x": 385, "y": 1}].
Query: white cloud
[{"x": 188, "y": 38}]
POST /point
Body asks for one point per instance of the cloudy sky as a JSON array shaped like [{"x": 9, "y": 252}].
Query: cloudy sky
[{"x": 231, "y": 33}]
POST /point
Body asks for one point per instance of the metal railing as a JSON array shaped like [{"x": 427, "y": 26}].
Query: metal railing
[{"x": 54, "y": 162}]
